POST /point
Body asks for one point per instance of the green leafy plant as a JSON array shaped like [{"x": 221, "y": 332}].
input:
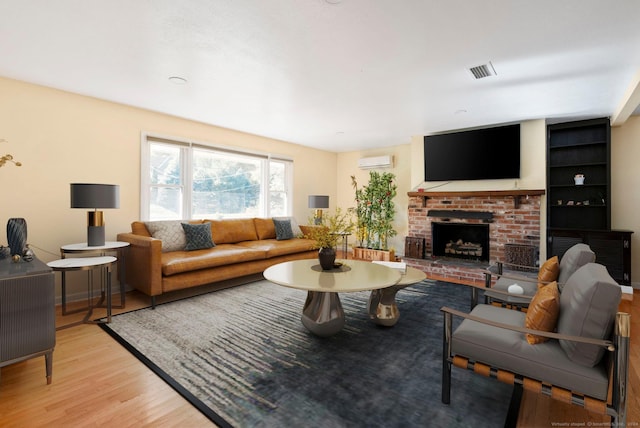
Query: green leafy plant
[
  {"x": 375, "y": 210},
  {"x": 328, "y": 233}
]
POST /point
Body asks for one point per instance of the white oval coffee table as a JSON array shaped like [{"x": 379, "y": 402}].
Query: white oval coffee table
[{"x": 322, "y": 313}]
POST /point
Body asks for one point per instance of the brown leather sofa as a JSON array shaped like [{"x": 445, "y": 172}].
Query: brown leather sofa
[{"x": 242, "y": 247}]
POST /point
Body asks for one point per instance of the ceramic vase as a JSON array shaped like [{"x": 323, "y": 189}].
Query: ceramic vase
[
  {"x": 327, "y": 258},
  {"x": 17, "y": 235}
]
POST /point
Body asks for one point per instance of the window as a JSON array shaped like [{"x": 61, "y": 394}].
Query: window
[{"x": 184, "y": 180}]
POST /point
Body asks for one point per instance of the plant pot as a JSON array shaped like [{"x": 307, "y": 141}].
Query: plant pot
[
  {"x": 327, "y": 258},
  {"x": 371, "y": 255}
]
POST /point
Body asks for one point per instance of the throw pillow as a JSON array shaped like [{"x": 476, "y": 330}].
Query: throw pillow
[
  {"x": 283, "y": 229},
  {"x": 198, "y": 236},
  {"x": 549, "y": 271},
  {"x": 543, "y": 312},
  {"x": 170, "y": 232},
  {"x": 294, "y": 225},
  {"x": 589, "y": 303}
]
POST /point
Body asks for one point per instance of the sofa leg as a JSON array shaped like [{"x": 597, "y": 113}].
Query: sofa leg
[
  {"x": 153, "y": 302},
  {"x": 446, "y": 365}
]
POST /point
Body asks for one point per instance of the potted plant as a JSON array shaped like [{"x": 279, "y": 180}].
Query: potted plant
[
  {"x": 327, "y": 234},
  {"x": 375, "y": 212}
]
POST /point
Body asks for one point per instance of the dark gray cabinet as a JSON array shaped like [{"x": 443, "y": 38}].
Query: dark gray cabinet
[
  {"x": 612, "y": 248},
  {"x": 27, "y": 312}
]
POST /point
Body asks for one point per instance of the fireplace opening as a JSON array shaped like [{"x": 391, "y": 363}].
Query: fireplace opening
[{"x": 460, "y": 240}]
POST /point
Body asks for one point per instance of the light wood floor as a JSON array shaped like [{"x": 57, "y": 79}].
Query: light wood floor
[{"x": 96, "y": 382}]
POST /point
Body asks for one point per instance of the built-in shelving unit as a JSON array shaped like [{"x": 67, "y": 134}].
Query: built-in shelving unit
[
  {"x": 582, "y": 212},
  {"x": 579, "y": 148}
]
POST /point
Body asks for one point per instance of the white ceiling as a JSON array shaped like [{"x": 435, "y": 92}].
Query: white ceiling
[{"x": 339, "y": 75}]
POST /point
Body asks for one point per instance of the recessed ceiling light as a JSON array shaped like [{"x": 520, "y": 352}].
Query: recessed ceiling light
[
  {"x": 461, "y": 111},
  {"x": 333, "y": 1},
  {"x": 178, "y": 80}
]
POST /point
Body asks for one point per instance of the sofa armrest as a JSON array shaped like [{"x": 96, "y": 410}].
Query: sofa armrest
[{"x": 144, "y": 263}]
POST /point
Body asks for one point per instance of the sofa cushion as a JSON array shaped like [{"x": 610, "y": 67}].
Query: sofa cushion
[
  {"x": 542, "y": 313},
  {"x": 275, "y": 248},
  {"x": 233, "y": 230},
  {"x": 170, "y": 232},
  {"x": 510, "y": 351},
  {"x": 222, "y": 254},
  {"x": 283, "y": 229},
  {"x": 588, "y": 305},
  {"x": 265, "y": 228},
  {"x": 549, "y": 271},
  {"x": 198, "y": 236},
  {"x": 575, "y": 257}
]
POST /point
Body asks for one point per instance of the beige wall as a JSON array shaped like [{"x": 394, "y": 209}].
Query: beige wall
[
  {"x": 61, "y": 138},
  {"x": 625, "y": 181}
]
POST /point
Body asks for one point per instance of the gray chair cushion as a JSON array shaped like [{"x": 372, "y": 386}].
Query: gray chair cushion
[
  {"x": 509, "y": 350},
  {"x": 574, "y": 258},
  {"x": 588, "y": 305}
]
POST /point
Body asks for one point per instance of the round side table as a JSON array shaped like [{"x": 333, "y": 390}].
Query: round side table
[
  {"x": 87, "y": 264},
  {"x": 118, "y": 248}
]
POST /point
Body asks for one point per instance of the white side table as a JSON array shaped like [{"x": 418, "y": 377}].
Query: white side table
[
  {"x": 87, "y": 264},
  {"x": 110, "y": 247}
]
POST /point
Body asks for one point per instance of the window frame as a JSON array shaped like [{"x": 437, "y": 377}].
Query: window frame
[{"x": 186, "y": 173}]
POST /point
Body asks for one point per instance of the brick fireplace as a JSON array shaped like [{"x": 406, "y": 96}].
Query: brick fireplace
[{"x": 512, "y": 218}]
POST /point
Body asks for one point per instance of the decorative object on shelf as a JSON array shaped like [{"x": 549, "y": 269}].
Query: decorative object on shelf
[
  {"x": 578, "y": 179},
  {"x": 318, "y": 202},
  {"x": 95, "y": 196},
  {"x": 7, "y": 158},
  {"x": 17, "y": 236},
  {"x": 4, "y": 252},
  {"x": 375, "y": 210},
  {"x": 28, "y": 254},
  {"x": 327, "y": 234}
]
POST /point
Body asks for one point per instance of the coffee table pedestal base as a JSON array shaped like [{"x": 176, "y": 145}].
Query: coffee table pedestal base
[
  {"x": 323, "y": 314},
  {"x": 382, "y": 306}
]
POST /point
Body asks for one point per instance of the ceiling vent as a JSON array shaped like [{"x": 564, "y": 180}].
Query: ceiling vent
[{"x": 484, "y": 70}]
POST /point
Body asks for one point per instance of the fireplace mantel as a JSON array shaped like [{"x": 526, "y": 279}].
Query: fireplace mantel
[{"x": 514, "y": 193}]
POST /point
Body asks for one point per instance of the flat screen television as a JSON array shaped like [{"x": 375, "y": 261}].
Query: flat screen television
[{"x": 480, "y": 154}]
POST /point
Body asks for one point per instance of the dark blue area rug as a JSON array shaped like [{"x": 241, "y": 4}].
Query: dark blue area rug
[{"x": 242, "y": 356}]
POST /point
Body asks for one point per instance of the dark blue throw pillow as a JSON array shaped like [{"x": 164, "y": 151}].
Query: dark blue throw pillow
[
  {"x": 283, "y": 229},
  {"x": 198, "y": 236}
]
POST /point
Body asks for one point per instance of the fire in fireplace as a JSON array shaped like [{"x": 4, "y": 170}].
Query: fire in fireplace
[{"x": 460, "y": 240}]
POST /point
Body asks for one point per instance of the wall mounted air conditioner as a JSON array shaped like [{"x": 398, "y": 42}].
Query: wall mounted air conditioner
[{"x": 376, "y": 162}]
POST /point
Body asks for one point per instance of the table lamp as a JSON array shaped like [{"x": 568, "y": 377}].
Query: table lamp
[
  {"x": 95, "y": 196},
  {"x": 318, "y": 202}
]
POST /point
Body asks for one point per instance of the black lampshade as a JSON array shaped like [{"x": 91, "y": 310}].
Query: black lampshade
[
  {"x": 95, "y": 195},
  {"x": 318, "y": 201}
]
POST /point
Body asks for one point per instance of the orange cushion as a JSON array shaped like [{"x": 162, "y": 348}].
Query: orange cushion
[
  {"x": 549, "y": 271},
  {"x": 543, "y": 312},
  {"x": 265, "y": 228}
]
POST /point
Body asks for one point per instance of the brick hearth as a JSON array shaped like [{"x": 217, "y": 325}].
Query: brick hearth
[{"x": 516, "y": 220}]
